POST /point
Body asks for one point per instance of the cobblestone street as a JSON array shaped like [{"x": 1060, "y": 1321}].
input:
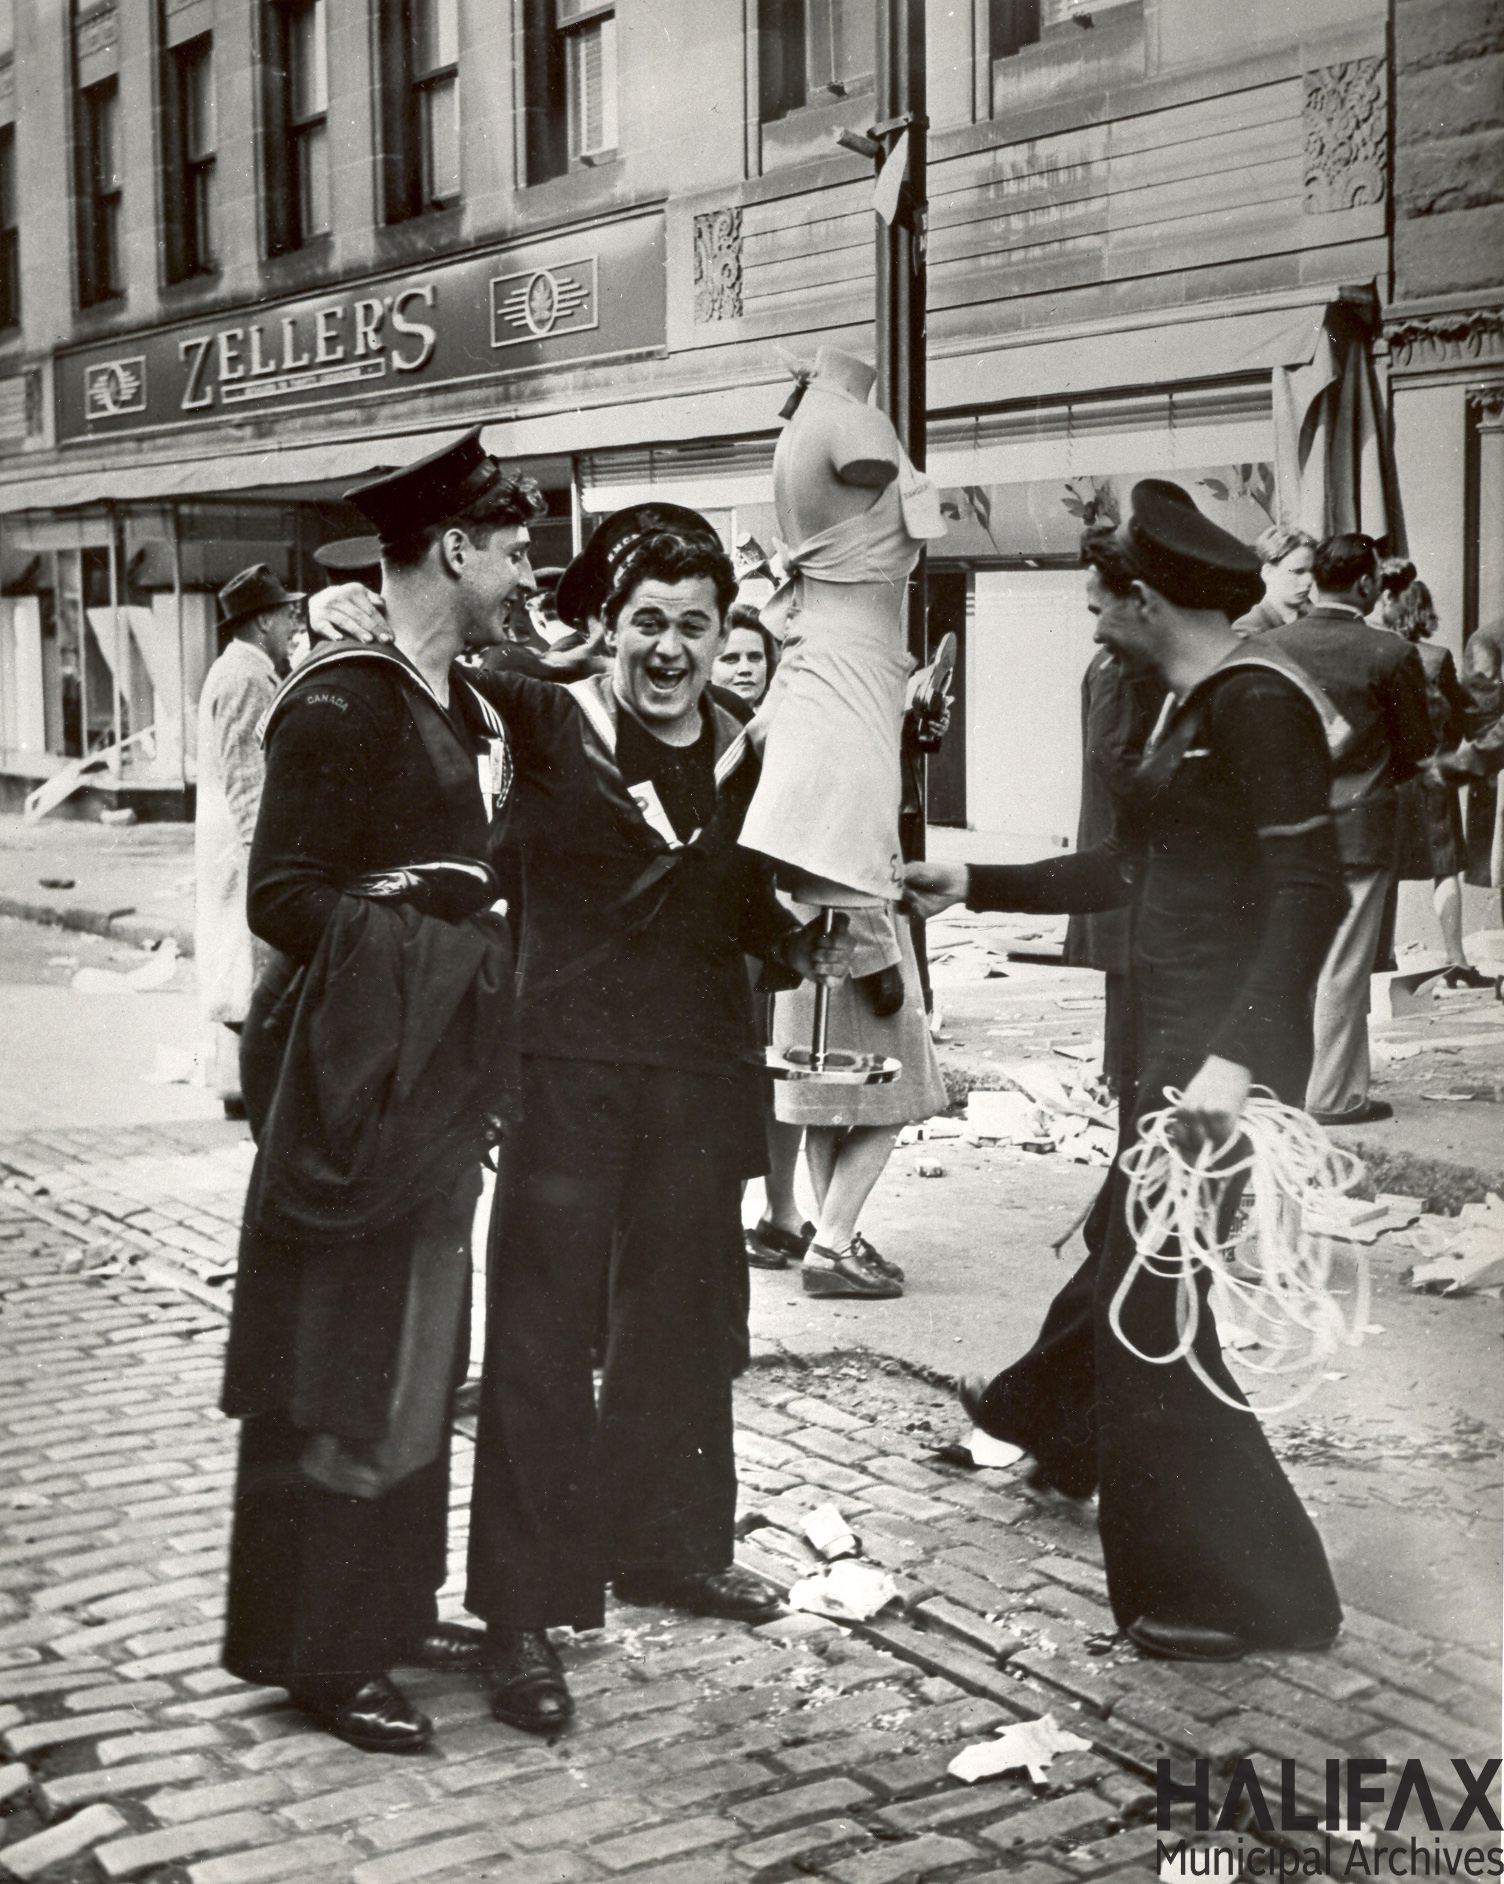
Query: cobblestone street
[{"x": 703, "y": 1752}]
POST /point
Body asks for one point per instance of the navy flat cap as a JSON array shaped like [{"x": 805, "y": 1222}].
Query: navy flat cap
[{"x": 586, "y": 583}]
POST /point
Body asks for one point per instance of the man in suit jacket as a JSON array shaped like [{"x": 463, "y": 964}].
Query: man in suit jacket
[{"x": 1376, "y": 682}]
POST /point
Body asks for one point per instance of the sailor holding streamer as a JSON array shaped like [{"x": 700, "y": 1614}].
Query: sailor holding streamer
[{"x": 1225, "y": 848}]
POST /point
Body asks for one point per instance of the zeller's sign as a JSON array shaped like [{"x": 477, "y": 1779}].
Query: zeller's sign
[{"x": 594, "y": 293}]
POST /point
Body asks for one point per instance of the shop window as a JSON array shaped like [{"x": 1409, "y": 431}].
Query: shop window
[
  {"x": 297, "y": 156},
  {"x": 99, "y": 272},
  {"x": 813, "y": 51},
  {"x": 190, "y": 152},
  {"x": 1011, "y": 25},
  {"x": 569, "y": 52},
  {"x": 421, "y": 123},
  {"x": 10, "y": 234}
]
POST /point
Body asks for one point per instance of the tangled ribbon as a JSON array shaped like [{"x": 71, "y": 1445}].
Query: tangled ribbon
[{"x": 1262, "y": 1241}]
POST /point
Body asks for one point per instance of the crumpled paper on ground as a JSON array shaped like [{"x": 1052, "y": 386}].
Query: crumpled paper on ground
[
  {"x": 1045, "y": 1111},
  {"x": 155, "y": 972},
  {"x": 1031, "y": 1744},
  {"x": 1466, "y": 1252},
  {"x": 849, "y": 1591},
  {"x": 985, "y": 1450}
]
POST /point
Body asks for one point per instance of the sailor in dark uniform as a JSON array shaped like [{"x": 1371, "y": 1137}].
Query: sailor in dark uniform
[
  {"x": 375, "y": 1060},
  {"x": 640, "y": 1118},
  {"x": 1227, "y": 851}
]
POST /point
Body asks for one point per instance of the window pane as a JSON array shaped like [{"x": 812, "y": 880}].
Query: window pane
[
  {"x": 842, "y": 39},
  {"x": 201, "y": 201},
  {"x": 308, "y": 74},
  {"x": 198, "y": 102},
  {"x": 7, "y": 178},
  {"x": 590, "y": 54},
  {"x": 436, "y": 34},
  {"x": 102, "y": 123},
  {"x": 7, "y": 26},
  {"x": 313, "y": 182},
  {"x": 441, "y": 142}
]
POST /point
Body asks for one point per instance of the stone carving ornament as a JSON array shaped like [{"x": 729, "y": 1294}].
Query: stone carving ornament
[
  {"x": 718, "y": 265},
  {"x": 1346, "y": 136}
]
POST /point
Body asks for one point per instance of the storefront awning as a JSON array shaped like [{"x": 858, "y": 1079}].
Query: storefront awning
[
  {"x": 1168, "y": 345},
  {"x": 274, "y": 468}
]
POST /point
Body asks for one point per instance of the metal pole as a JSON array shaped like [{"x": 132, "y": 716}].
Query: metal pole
[
  {"x": 121, "y": 654},
  {"x": 902, "y": 379}
]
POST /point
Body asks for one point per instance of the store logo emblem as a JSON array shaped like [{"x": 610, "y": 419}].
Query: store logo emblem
[
  {"x": 540, "y": 303},
  {"x": 115, "y": 387}
]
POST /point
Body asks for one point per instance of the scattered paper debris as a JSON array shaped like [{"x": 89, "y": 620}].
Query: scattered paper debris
[
  {"x": 849, "y": 1591},
  {"x": 985, "y": 1450},
  {"x": 153, "y": 973},
  {"x": 1354, "y": 1219},
  {"x": 829, "y": 1533},
  {"x": 1466, "y": 1252},
  {"x": 1028, "y": 1744}
]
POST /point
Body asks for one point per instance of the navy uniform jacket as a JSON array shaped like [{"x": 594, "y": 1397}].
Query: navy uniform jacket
[{"x": 629, "y": 950}]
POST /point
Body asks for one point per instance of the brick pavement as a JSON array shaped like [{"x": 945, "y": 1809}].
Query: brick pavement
[{"x": 704, "y": 1752}]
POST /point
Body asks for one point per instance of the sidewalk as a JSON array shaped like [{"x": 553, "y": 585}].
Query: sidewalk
[
  {"x": 133, "y": 882},
  {"x": 704, "y": 1753}
]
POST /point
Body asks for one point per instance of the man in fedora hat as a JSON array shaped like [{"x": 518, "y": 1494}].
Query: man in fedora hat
[
  {"x": 1226, "y": 849},
  {"x": 258, "y": 620},
  {"x": 640, "y": 1117},
  {"x": 376, "y": 1059}
]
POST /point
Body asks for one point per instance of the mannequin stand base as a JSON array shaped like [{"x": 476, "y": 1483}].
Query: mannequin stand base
[{"x": 835, "y": 1068}]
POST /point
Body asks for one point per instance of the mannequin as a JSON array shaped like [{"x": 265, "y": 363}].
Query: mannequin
[{"x": 853, "y": 515}]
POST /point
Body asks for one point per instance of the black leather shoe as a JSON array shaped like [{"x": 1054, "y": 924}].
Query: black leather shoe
[
  {"x": 733, "y": 1594},
  {"x": 377, "y": 1718},
  {"x": 451, "y": 1647},
  {"x": 525, "y": 1679},
  {"x": 1184, "y": 1641},
  {"x": 1369, "y": 1113}
]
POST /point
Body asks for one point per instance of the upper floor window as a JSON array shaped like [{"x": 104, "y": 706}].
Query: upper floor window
[
  {"x": 569, "y": 47},
  {"x": 10, "y": 234},
  {"x": 811, "y": 51},
  {"x": 1011, "y": 25},
  {"x": 420, "y": 49},
  {"x": 297, "y": 124},
  {"x": 99, "y": 183},
  {"x": 189, "y": 152}
]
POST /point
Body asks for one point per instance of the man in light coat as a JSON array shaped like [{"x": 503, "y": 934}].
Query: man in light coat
[{"x": 258, "y": 623}]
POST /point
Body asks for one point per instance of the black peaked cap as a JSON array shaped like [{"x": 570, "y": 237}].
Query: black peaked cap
[{"x": 400, "y": 503}]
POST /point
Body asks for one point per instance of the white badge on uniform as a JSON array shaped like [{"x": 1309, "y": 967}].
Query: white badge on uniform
[
  {"x": 492, "y": 767},
  {"x": 645, "y": 797}
]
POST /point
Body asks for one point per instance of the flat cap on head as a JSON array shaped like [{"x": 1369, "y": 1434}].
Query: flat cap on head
[
  {"x": 253, "y": 592},
  {"x": 586, "y": 583},
  {"x": 400, "y": 504}
]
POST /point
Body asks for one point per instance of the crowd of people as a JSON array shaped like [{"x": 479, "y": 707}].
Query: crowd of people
[{"x": 492, "y": 902}]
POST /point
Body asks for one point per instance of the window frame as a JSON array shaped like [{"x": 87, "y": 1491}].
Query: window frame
[
  {"x": 100, "y": 276},
  {"x": 409, "y": 90},
  {"x": 189, "y": 171},
  {"x": 10, "y": 233},
  {"x": 549, "y": 33},
  {"x": 294, "y": 142}
]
